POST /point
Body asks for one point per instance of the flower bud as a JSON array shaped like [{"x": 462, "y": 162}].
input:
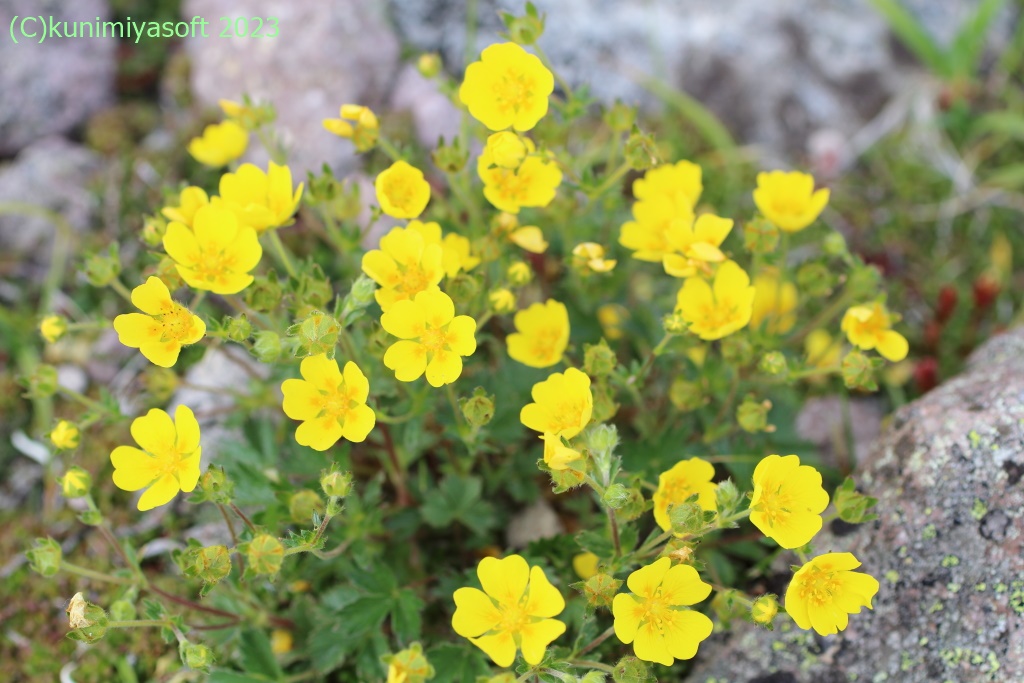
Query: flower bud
[
  {"x": 215, "y": 486},
  {"x": 267, "y": 346},
  {"x": 815, "y": 280},
  {"x": 44, "y": 556},
  {"x": 593, "y": 677},
  {"x": 598, "y": 359},
  {"x": 429, "y": 64},
  {"x": 303, "y": 504},
  {"x": 281, "y": 641},
  {"x": 641, "y": 152},
  {"x": 632, "y": 670},
  {"x": 674, "y": 323},
  {"x": 102, "y": 269},
  {"x": 450, "y": 158},
  {"x": 53, "y": 327},
  {"x": 760, "y": 236},
  {"x": 153, "y": 230},
  {"x": 859, "y": 372},
  {"x": 764, "y": 610},
  {"x": 567, "y": 479},
  {"x": 634, "y": 505},
  {"x": 238, "y": 328},
  {"x": 985, "y": 290},
  {"x": 264, "y": 294},
  {"x": 502, "y": 300},
  {"x": 616, "y": 496},
  {"x": 478, "y": 409},
  {"x": 195, "y": 655},
  {"x": 737, "y": 350},
  {"x": 834, "y": 245},
  {"x": 65, "y": 435},
  {"x": 773, "y": 363},
  {"x": 462, "y": 288},
  {"x": 42, "y": 383},
  {"x": 727, "y": 497},
  {"x": 687, "y": 396},
  {"x": 686, "y": 518},
  {"x": 360, "y": 296},
  {"x": 264, "y": 554},
  {"x": 728, "y": 605},
  {"x": 87, "y": 621},
  {"x": 409, "y": 665},
  {"x": 160, "y": 383},
  {"x": 602, "y": 440},
  {"x": 524, "y": 30},
  {"x": 211, "y": 564},
  {"x": 313, "y": 291},
  {"x": 620, "y": 117},
  {"x": 600, "y": 589},
  {"x": 317, "y": 334},
  {"x": 852, "y": 505},
  {"x": 75, "y": 483},
  {"x": 752, "y": 415},
  {"x": 519, "y": 274},
  {"x": 336, "y": 484}
]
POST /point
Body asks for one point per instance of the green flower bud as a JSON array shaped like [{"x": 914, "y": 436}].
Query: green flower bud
[
  {"x": 764, "y": 610},
  {"x": 752, "y": 415},
  {"x": 641, "y": 151},
  {"x": 75, "y": 483},
  {"x": 620, "y": 117},
  {"x": 264, "y": 554},
  {"x": 519, "y": 273},
  {"x": 853, "y": 506},
  {"x": 565, "y": 480},
  {"x": 336, "y": 484},
  {"x": 317, "y": 334},
  {"x": 303, "y": 504},
  {"x": 632, "y": 670},
  {"x": 211, "y": 564},
  {"x": 686, "y": 396},
  {"x": 264, "y": 294},
  {"x": 760, "y": 236},
  {"x": 42, "y": 383},
  {"x": 195, "y": 655},
  {"x": 463, "y": 287},
  {"x": 160, "y": 383},
  {"x": 215, "y": 486},
  {"x": 524, "y": 30},
  {"x": 602, "y": 440},
  {"x": 674, "y": 323},
  {"x": 773, "y": 363},
  {"x": 53, "y": 327},
  {"x": 687, "y": 518},
  {"x": 44, "y": 556},
  {"x": 737, "y": 350},
  {"x": 598, "y": 359},
  {"x": 727, "y": 497},
  {"x": 267, "y": 346},
  {"x": 238, "y": 328},
  {"x": 859, "y": 371},
  {"x": 634, "y": 506},
  {"x": 834, "y": 244},
  {"x": 863, "y": 282},
  {"x": 815, "y": 280},
  {"x": 429, "y": 64},
  {"x": 358, "y": 298},
  {"x": 450, "y": 158},
  {"x": 478, "y": 409},
  {"x": 616, "y": 496},
  {"x": 153, "y": 230},
  {"x": 65, "y": 435},
  {"x": 409, "y": 665},
  {"x": 313, "y": 291},
  {"x": 102, "y": 269},
  {"x": 87, "y": 621},
  {"x": 122, "y": 610},
  {"x": 600, "y": 589}
]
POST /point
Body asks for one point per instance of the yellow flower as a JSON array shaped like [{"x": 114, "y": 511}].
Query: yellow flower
[
  {"x": 363, "y": 133},
  {"x": 409, "y": 666},
  {"x": 75, "y": 483},
  {"x": 217, "y": 254},
  {"x": 281, "y": 641},
  {"x": 823, "y": 351},
  {"x": 585, "y": 565},
  {"x": 260, "y": 200},
  {"x": 789, "y": 200},
  {"x": 513, "y": 611},
  {"x": 825, "y": 591},
  {"x": 402, "y": 191},
  {"x": 774, "y": 304},
  {"x": 530, "y": 238},
  {"x": 456, "y": 253},
  {"x": 542, "y": 333},
  {"x": 330, "y": 403},
  {"x": 713, "y": 313},
  {"x": 53, "y": 327},
  {"x": 612, "y": 318},
  {"x": 652, "y": 617},
  {"x": 557, "y": 455},
  {"x": 787, "y": 501},
  {"x": 647, "y": 235},
  {"x": 562, "y": 404},
  {"x": 532, "y": 184},
  {"x": 679, "y": 183},
  {"x": 168, "y": 461},
  {"x": 190, "y": 200},
  {"x": 405, "y": 265},
  {"x": 869, "y": 326},
  {"x": 220, "y": 144},
  {"x": 684, "y": 479},
  {"x": 65, "y": 435},
  {"x": 697, "y": 242},
  {"x": 502, "y": 300},
  {"x": 588, "y": 257},
  {"x": 764, "y": 609},
  {"x": 506, "y": 149},
  {"x": 232, "y": 109},
  {"x": 508, "y": 87},
  {"x": 519, "y": 273},
  {"x": 162, "y": 328},
  {"x": 433, "y": 338}
]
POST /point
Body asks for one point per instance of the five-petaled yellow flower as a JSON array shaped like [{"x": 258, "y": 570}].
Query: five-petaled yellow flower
[
  {"x": 789, "y": 200},
  {"x": 190, "y": 200},
  {"x": 260, "y": 200},
  {"x": 165, "y": 327},
  {"x": 652, "y": 616},
  {"x": 330, "y": 402},
  {"x": 685, "y": 478},
  {"x": 513, "y": 611},
  {"x": 533, "y": 183},
  {"x": 402, "y": 191},
  {"x": 364, "y": 131},
  {"x": 220, "y": 144},
  {"x": 405, "y": 265},
  {"x": 774, "y": 304},
  {"x": 695, "y": 243},
  {"x": 542, "y": 333},
  {"x": 217, "y": 254},
  {"x": 825, "y": 591},
  {"x": 787, "y": 501},
  {"x": 508, "y": 87},
  {"x": 432, "y": 338},
  {"x": 166, "y": 462},
  {"x": 713, "y": 313},
  {"x": 647, "y": 235},
  {"x": 870, "y": 327},
  {"x": 680, "y": 183}
]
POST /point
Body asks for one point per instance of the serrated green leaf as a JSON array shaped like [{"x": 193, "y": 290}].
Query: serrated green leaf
[
  {"x": 458, "y": 499},
  {"x": 406, "y": 618},
  {"x": 256, "y": 654},
  {"x": 457, "y": 663}
]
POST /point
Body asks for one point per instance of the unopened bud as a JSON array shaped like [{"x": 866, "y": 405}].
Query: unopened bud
[
  {"x": 267, "y": 346},
  {"x": 88, "y": 622},
  {"x": 853, "y": 506},
  {"x": 815, "y": 280},
  {"x": 215, "y": 485},
  {"x": 674, "y": 323},
  {"x": 686, "y": 518},
  {"x": 265, "y": 293},
  {"x": 75, "y": 483},
  {"x": 409, "y": 665},
  {"x": 211, "y": 564},
  {"x": 620, "y": 117},
  {"x": 102, "y": 269},
  {"x": 616, "y": 496},
  {"x": 773, "y": 363},
  {"x": 834, "y": 244},
  {"x": 65, "y": 435},
  {"x": 760, "y": 236},
  {"x": 153, "y": 230},
  {"x": 634, "y": 506},
  {"x": 598, "y": 359},
  {"x": 737, "y": 350},
  {"x": 764, "y": 610},
  {"x": 303, "y": 504},
  {"x": 195, "y": 655},
  {"x": 727, "y": 497},
  {"x": 264, "y": 554},
  {"x": 44, "y": 556},
  {"x": 429, "y": 64},
  {"x": 42, "y": 383},
  {"x": 53, "y": 327},
  {"x": 450, "y": 158},
  {"x": 632, "y": 670},
  {"x": 859, "y": 372},
  {"x": 525, "y": 30},
  {"x": 502, "y": 300},
  {"x": 358, "y": 298},
  {"x": 238, "y": 328},
  {"x": 336, "y": 484},
  {"x": 752, "y": 415},
  {"x": 641, "y": 151},
  {"x": 519, "y": 274},
  {"x": 317, "y": 334},
  {"x": 478, "y": 409},
  {"x": 600, "y": 589}
]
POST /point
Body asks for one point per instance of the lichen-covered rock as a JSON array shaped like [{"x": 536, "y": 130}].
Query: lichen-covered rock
[
  {"x": 325, "y": 54},
  {"x": 53, "y": 86},
  {"x": 948, "y": 549}
]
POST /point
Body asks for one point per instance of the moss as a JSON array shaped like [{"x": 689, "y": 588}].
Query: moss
[
  {"x": 979, "y": 509},
  {"x": 950, "y": 561},
  {"x": 892, "y": 576},
  {"x": 929, "y": 532}
]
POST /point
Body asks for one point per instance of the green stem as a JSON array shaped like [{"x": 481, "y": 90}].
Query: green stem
[
  {"x": 119, "y": 287},
  {"x": 594, "y": 643},
  {"x": 91, "y": 574},
  {"x": 65, "y": 235},
  {"x": 84, "y": 400},
  {"x": 610, "y": 181},
  {"x": 389, "y": 149},
  {"x": 137, "y": 623},
  {"x": 282, "y": 254}
]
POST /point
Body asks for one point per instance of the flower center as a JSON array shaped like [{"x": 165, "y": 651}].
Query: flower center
[
  {"x": 718, "y": 315},
  {"x": 399, "y": 192},
  {"x": 413, "y": 280},
  {"x": 567, "y": 415},
  {"x": 513, "y": 91},
  {"x": 513, "y": 618},
  {"x": 214, "y": 264},
  {"x": 511, "y": 186},
  {"x": 544, "y": 345},
  {"x": 678, "y": 489},
  {"x": 176, "y": 324},
  {"x": 657, "y": 614},
  {"x": 775, "y": 504},
  {"x": 336, "y": 404},
  {"x": 435, "y": 339},
  {"x": 820, "y": 586}
]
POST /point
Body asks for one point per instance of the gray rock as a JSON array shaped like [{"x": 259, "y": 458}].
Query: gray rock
[
  {"x": 775, "y": 72},
  {"x": 50, "y": 88},
  {"x": 326, "y": 55},
  {"x": 948, "y": 548},
  {"x": 535, "y": 523},
  {"x": 820, "y": 421}
]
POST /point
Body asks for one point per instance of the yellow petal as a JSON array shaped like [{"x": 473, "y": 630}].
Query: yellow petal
[
  {"x": 358, "y": 423},
  {"x": 154, "y": 432},
  {"x": 188, "y": 474},
  {"x": 302, "y": 401},
  {"x": 405, "y": 319},
  {"x": 187, "y": 428},
  {"x": 181, "y": 245},
  {"x": 682, "y": 586},
  {"x": 246, "y": 249},
  {"x": 133, "y": 469},
  {"x": 152, "y": 297},
  {"x": 504, "y": 580},
  {"x": 462, "y": 335},
  {"x": 162, "y": 354},
  {"x": 381, "y": 268},
  {"x": 322, "y": 372},
  {"x": 687, "y": 630},
  {"x": 628, "y": 611},
  {"x": 135, "y": 329},
  {"x": 893, "y": 346},
  {"x": 356, "y": 382},
  {"x": 650, "y": 646},
  {"x": 319, "y": 434},
  {"x": 501, "y": 648},
  {"x": 475, "y": 614},
  {"x": 645, "y": 581},
  {"x": 408, "y": 359},
  {"x": 438, "y": 308},
  {"x": 444, "y": 368},
  {"x": 535, "y": 638},
  {"x": 544, "y": 599},
  {"x": 530, "y": 238},
  {"x": 160, "y": 493}
]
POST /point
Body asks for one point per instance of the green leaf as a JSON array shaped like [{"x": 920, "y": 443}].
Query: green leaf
[
  {"x": 969, "y": 44},
  {"x": 225, "y": 676},
  {"x": 1010, "y": 177},
  {"x": 1010, "y": 124},
  {"x": 256, "y": 654},
  {"x": 457, "y": 663},
  {"x": 406, "y": 618},
  {"x": 328, "y": 645},
  {"x": 364, "y": 615},
  {"x": 458, "y": 499},
  {"x": 914, "y": 36}
]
